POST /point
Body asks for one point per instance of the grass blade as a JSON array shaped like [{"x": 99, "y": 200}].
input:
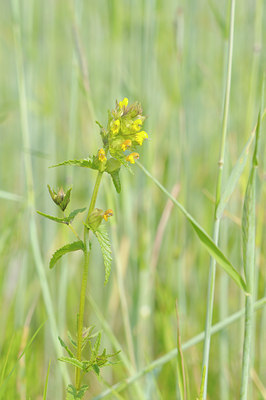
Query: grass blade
[
  {"x": 205, "y": 239},
  {"x": 46, "y": 381}
]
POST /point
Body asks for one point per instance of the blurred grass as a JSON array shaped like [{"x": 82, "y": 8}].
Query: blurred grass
[{"x": 170, "y": 56}]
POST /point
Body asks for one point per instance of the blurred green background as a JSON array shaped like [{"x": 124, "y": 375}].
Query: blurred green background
[{"x": 62, "y": 66}]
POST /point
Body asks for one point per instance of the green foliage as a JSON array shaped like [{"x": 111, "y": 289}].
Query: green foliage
[
  {"x": 85, "y": 163},
  {"x": 74, "y": 246},
  {"x": 66, "y": 347},
  {"x": 104, "y": 241},
  {"x": 97, "y": 359},
  {"x": 74, "y": 394},
  {"x": 66, "y": 220},
  {"x": 205, "y": 239},
  {"x": 116, "y": 180}
]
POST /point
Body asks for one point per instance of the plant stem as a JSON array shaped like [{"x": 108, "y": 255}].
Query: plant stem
[
  {"x": 211, "y": 282},
  {"x": 85, "y": 278}
]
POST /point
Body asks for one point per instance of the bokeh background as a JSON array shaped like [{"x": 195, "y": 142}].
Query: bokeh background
[{"x": 62, "y": 66}]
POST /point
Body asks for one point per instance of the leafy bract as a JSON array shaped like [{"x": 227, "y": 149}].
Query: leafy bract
[
  {"x": 85, "y": 163},
  {"x": 74, "y": 246},
  {"x": 116, "y": 180},
  {"x": 104, "y": 241}
]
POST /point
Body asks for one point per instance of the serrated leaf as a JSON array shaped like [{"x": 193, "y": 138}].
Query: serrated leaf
[
  {"x": 73, "y": 361},
  {"x": 72, "y": 341},
  {"x": 74, "y": 246},
  {"x": 51, "y": 217},
  {"x": 233, "y": 178},
  {"x": 74, "y": 394},
  {"x": 96, "y": 369},
  {"x": 63, "y": 344},
  {"x": 116, "y": 180},
  {"x": 74, "y": 213},
  {"x": 65, "y": 220},
  {"x": 85, "y": 163},
  {"x": 95, "y": 349},
  {"x": 104, "y": 241}
]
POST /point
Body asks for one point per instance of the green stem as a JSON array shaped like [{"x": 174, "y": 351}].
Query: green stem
[
  {"x": 247, "y": 347},
  {"x": 85, "y": 278},
  {"x": 212, "y": 271}
]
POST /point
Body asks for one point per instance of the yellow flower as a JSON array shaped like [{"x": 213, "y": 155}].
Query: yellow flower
[
  {"x": 108, "y": 213},
  {"x": 132, "y": 157},
  {"x": 136, "y": 126},
  {"x": 115, "y": 126},
  {"x": 126, "y": 144},
  {"x": 140, "y": 136},
  {"x": 101, "y": 155},
  {"x": 123, "y": 103}
]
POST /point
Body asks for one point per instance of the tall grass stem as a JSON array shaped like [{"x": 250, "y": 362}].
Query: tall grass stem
[{"x": 212, "y": 271}]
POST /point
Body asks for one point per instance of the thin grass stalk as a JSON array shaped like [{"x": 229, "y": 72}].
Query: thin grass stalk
[
  {"x": 23, "y": 103},
  {"x": 223, "y": 339},
  {"x": 173, "y": 353},
  {"x": 212, "y": 271}
]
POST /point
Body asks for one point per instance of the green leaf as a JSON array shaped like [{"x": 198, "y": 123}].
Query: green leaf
[
  {"x": 112, "y": 165},
  {"x": 74, "y": 246},
  {"x": 74, "y": 394},
  {"x": 51, "y": 217},
  {"x": 66, "y": 347},
  {"x": 85, "y": 163},
  {"x": 96, "y": 369},
  {"x": 104, "y": 241},
  {"x": 46, "y": 381},
  {"x": 73, "y": 361},
  {"x": 116, "y": 180},
  {"x": 74, "y": 213},
  {"x": 65, "y": 220},
  {"x": 205, "y": 239},
  {"x": 72, "y": 341},
  {"x": 66, "y": 200},
  {"x": 234, "y": 177}
]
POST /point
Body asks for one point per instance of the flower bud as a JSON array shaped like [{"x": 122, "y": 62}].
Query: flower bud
[
  {"x": 95, "y": 218},
  {"x": 60, "y": 198}
]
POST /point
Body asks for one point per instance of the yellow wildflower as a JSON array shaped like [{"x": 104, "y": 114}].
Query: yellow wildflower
[
  {"x": 115, "y": 126},
  {"x": 101, "y": 155},
  {"x": 123, "y": 103},
  {"x": 140, "y": 136},
  {"x": 126, "y": 144},
  {"x": 136, "y": 126},
  {"x": 132, "y": 157},
  {"x": 108, "y": 213}
]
